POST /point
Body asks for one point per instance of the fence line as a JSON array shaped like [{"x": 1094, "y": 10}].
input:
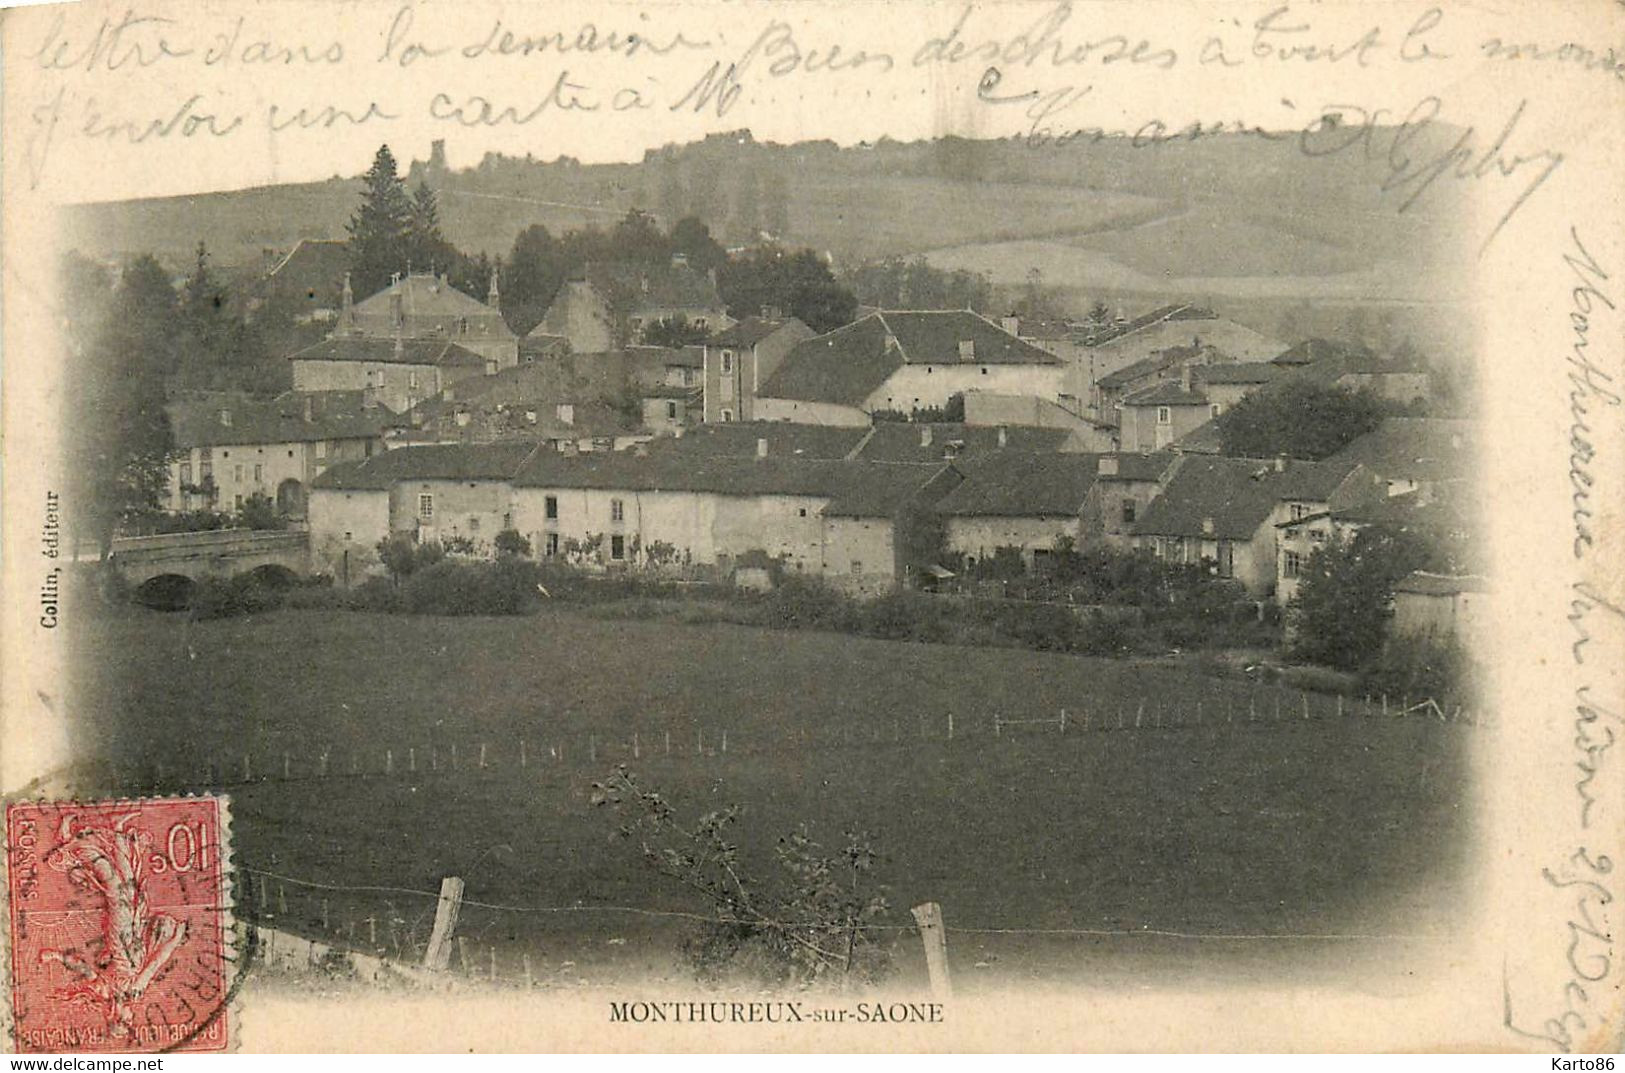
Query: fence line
[{"x": 1079, "y": 722}]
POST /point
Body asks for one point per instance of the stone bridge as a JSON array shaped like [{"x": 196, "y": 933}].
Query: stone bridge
[{"x": 216, "y": 553}]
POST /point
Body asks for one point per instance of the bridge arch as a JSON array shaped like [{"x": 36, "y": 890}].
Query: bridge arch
[
  {"x": 166, "y": 592},
  {"x": 271, "y": 576}
]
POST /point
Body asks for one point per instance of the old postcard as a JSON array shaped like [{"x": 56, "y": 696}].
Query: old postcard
[{"x": 815, "y": 526}]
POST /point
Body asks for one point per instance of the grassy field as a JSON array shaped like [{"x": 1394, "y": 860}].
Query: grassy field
[{"x": 1267, "y": 824}]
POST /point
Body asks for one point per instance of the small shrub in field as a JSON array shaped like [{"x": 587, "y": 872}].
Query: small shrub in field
[
  {"x": 511, "y": 544},
  {"x": 808, "y": 605},
  {"x": 450, "y": 588},
  {"x": 241, "y": 595}
]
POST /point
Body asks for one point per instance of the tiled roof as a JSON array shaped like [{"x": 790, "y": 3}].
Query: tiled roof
[
  {"x": 633, "y": 288},
  {"x": 846, "y": 365},
  {"x": 1167, "y": 393},
  {"x": 445, "y": 462},
  {"x": 383, "y": 351},
  {"x": 313, "y": 270},
  {"x": 899, "y": 441},
  {"x": 1425, "y": 584},
  {"x": 1113, "y": 332},
  {"x": 1236, "y": 372},
  {"x": 1022, "y": 484},
  {"x": 1312, "y": 350},
  {"x": 1134, "y": 466},
  {"x": 196, "y": 420},
  {"x": 784, "y": 440},
  {"x": 1156, "y": 363},
  {"x": 424, "y": 296},
  {"x": 854, "y": 488},
  {"x": 1235, "y": 494},
  {"x": 1204, "y": 439},
  {"x": 752, "y": 330},
  {"x": 1416, "y": 448}
]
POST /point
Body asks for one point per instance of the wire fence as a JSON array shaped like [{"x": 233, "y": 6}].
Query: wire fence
[
  {"x": 1255, "y": 709},
  {"x": 316, "y": 923}
]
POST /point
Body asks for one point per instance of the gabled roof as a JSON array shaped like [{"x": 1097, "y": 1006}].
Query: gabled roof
[
  {"x": 442, "y": 462},
  {"x": 314, "y": 270},
  {"x": 1022, "y": 484},
  {"x": 752, "y": 330},
  {"x": 633, "y": 288},
  {"x": 1111, "y": 332},
  {"x": 1235, "y": 494},
  {"x": 1148, "y": 366},
  {"x": 784, "y": 440},
  {"x": 1416, "y": 448},
  {"x": 1236, "y": 372},
  {"x": 846, "y": 365},
  {"x": 200, "y": 420},
  {"x": 1204, "y": 439},
  {"x": 1312, "y": 350},
  {"x": 1167, "y": 393},
  {"x": 899, "y": 441},
  {"x": 390, "y": 351},
  {"x": 857, "y": 489},
  {"x": 1135, "y": 466},
  {"x": 424, "y": 296}
]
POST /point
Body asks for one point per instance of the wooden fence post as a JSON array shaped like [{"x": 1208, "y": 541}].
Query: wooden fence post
[
  {"x": 1063, "y": 720},
  {"x": 437, "y": 956},
  {"x": 482, "y": 754},
  {"x": 522, "y": 758},
  {"x": 637, "y": 753},
  {"x": 928, "y": 916},
  {"x": 950, "y": 726},
  {"x": 389, "y": 761}
]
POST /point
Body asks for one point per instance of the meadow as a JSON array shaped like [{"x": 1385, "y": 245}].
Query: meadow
[{"x": 388, "y": 751}]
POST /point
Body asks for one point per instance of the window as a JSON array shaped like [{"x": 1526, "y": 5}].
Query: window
[
  {"x": 552, "y": 545},
  {"x": 1227, "y": 559},
  {"x": 425, "y": 505},
  {"x": 727, "y": 362},
  {"x": 617, "y": 510},
  {"x": 186, "y": 472},
  {"x": 473, "y": 523},
  {"x": 237, "y": 472},
  {"x": 1298, "y": 511},
  {"x": 1215, "y": 410},
  {"x": 1129, "y": 507},
  {"x": 205, "y": 470},
  {"x": 225, "y": 454},
  {"x": 727, "y": 415},
  {"x": 802, "y": 512},
  {"x": 857, "y": 566},
  {"x": 984, "y": 370},
  {"x": 290, "y": 452},
  {"x": 1291, "y": 563},
  {"x": 1317, "y": 536},
  {"x": 671, "y": 411},
  {"x": 349, "y": 536},
  {"x": 321, "y": 448},
  {"x": 239, "y": 501},
  {"x": 1165, "y": 416},
  {"x": 259, "y": 473},
  {"x": 617, "y": 547},
  {"x": 412, "y": 380},
  {"x": 551, "y": 508}
]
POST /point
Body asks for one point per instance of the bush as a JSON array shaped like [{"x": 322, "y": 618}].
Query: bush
[
  {"x": 805, "y": 604},
  {"x": 1421, "y": 667},
  {"x": 226, "y": 597},
  {"x": 506, "y": 587},
  {"x": 403, "y": 557},
  {"x": 511, "y": 544}
]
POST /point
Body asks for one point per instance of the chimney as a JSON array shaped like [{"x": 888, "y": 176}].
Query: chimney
[
  {"x": 1106, "y": 466},
  {"x": 761, "y": 447},
  {"x": 967, "y": 350},
  {"x": 1207, "y": 526},
  {"x": 566, "y": 413},
  {"x": 397, "y": 308},
  {"x": 225, "y": 418},
  {"x": 1280, "y": 463},
  {"x": 493, "y": 295},
  {"x": 925, "y": 435},
  {"x": 1004, "y": 436},
  {"x": 347, "y": 305},
  {"x": 1012, "y": 324}
]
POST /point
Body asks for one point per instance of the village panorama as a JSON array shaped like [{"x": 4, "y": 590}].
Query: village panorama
[{"x": 759, "y": 563}]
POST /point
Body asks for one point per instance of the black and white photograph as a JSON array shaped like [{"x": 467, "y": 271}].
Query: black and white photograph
[{"x": 677, "y": 534}]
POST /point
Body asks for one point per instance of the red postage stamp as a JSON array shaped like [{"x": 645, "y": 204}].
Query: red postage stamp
[{"x": 120, "y": 924}]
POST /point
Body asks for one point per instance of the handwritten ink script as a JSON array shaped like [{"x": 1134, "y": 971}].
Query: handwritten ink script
[
  {"x": 1026, "y": 66},
  {"x": 1584, "y": 877}
]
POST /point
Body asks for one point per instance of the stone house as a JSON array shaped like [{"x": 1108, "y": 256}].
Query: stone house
[{"x": 736, "y": 360}]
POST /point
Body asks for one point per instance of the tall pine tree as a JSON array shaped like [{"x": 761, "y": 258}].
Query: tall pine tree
[{"x": 380, "y": 230}]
